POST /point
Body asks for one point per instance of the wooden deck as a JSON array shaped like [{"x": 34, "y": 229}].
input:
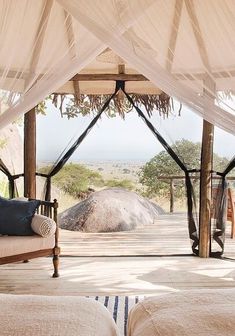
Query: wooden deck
[
  {"x": 138, "y": 262},
  {"x": 168, "y": 236}
]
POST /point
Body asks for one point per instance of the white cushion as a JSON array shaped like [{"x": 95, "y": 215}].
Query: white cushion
[
  {"x": 204, "y": 312},
  {"x": 54, "y": 315},
  {"x": 43, "y": 226},
  {"x": 13, "y": 245}
]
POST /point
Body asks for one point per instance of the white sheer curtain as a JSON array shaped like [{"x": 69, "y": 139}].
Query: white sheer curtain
[
  {"x": 42, "y": 47},
  {"x": 185, "y": 47}
]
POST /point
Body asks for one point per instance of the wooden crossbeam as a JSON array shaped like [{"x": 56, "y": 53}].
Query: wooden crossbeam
[
  {"x": 41, "y": 31},
  {"x": 128, "y": 77},
  {"x": 109, "y": 77},
  {"x": 72, "y": 49},
  {"x": 70, "y": 34},
  {"x": 174, "y": 34},
  {"x": 182, "y": 177},
  {"x": 197, "y": 33}
]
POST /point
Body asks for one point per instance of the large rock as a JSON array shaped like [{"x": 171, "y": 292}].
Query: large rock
[{"x": 108, "y": 210}]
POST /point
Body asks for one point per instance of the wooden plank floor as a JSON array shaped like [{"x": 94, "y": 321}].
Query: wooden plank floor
[
  {"x": 168, "y": 236},
  {"x": 84, "y": 272}
]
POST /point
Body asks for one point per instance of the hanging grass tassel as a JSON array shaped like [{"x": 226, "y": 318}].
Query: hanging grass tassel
[{"x": 71, "y": 106}]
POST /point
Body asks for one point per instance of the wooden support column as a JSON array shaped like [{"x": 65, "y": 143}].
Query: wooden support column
[
  {"x": 30, "y": 154},
  {"x": 30, "y": 117},
  {"x": 205, "y": 178},
  {"x": 207, "y": 139},
  {"x": 205, "y": 189},
  {"x": 171, "y": 195}
]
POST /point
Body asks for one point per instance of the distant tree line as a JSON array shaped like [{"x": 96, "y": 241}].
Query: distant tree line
[
  {"x": 163, "y": 165},
  {"x": 75, "y": 179}
]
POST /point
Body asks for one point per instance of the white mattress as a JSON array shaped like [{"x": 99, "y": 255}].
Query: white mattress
[
  {"x": 12, "y": 245},
  {"x": 27, "y": 315},
  {"x": 206, "y": 312}
]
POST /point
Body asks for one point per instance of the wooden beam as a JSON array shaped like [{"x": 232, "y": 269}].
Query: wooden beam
[
  {"x": 131, "y": 77},
  {"x": 120, "y": 94},
  {"x": 72, "y": 50},
  {"x": 40, "y": 35},
  {"x": 175, "y": 177},
  {"x": 30, "y": 154},
  {"x": 205, "y": 190},
  {"x": 174, "y": 34},
  {"x": 76, "y": 91},
  {"x": 182, "y": 177},
  {"x": 206, "y": 180},
  {"x": 197, "y": 33},
  {"x": 109, "y": 77},
  {"x": 70, "y": 34},
  {"x": 121, "y": 68},
  {"x": 41, "y": 31}
]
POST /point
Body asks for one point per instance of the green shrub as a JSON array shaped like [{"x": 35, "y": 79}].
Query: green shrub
[
  {"x": 75, "y": 178},
  {"x": 126, "y": 184}
]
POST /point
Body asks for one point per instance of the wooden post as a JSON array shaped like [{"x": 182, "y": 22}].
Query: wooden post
[
  {"x": 206, "y": 180},
  {"x": 171, "y": 195},
  {"x": 30, "y": 154},
  {"x": 205, "y": 189}
]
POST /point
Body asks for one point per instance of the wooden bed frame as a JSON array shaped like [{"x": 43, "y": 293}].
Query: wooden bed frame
[{"x": 48, "y": 209}]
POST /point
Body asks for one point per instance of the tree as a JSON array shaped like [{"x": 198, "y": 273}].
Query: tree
[
  {"x": 75, "y": 178},
  {"x": 163, "y": 165}
]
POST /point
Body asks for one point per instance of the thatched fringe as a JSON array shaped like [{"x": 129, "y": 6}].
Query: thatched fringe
[
  {"x": 71, "y": 105},
  {"x": 161, "y": 103}
]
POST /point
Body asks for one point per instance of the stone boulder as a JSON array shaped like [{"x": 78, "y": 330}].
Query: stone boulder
[{"x": 110, "y": 210}]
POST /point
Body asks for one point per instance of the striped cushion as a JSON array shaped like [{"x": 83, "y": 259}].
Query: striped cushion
[{"x": 119, "y": 307}]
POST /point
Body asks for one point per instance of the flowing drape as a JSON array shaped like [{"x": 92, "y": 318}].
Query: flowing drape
[{"x": 185, "y": 47}]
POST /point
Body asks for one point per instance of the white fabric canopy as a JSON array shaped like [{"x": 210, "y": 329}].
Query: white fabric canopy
[{"x": 184, "y": 47}]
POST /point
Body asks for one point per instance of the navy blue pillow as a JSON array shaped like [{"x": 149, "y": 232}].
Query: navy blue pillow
[{"x": 16, "y": 217}]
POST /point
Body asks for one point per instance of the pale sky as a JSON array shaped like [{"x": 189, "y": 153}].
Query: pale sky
[{"x": 117, "y": 139}]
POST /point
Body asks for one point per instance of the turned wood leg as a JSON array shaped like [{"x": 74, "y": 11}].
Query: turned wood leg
[
  {"x": 56, "y": 266},
  {"x": 233, "y": 228}
]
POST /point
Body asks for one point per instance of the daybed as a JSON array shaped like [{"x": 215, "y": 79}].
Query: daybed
[
  {"x": 23, "y": 248},
  {"x": 207, "y": 312},
  {"x": 27, "y": 315}
]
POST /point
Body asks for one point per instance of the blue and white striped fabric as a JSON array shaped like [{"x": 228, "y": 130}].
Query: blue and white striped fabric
[{"x": 119, "y": 307}]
